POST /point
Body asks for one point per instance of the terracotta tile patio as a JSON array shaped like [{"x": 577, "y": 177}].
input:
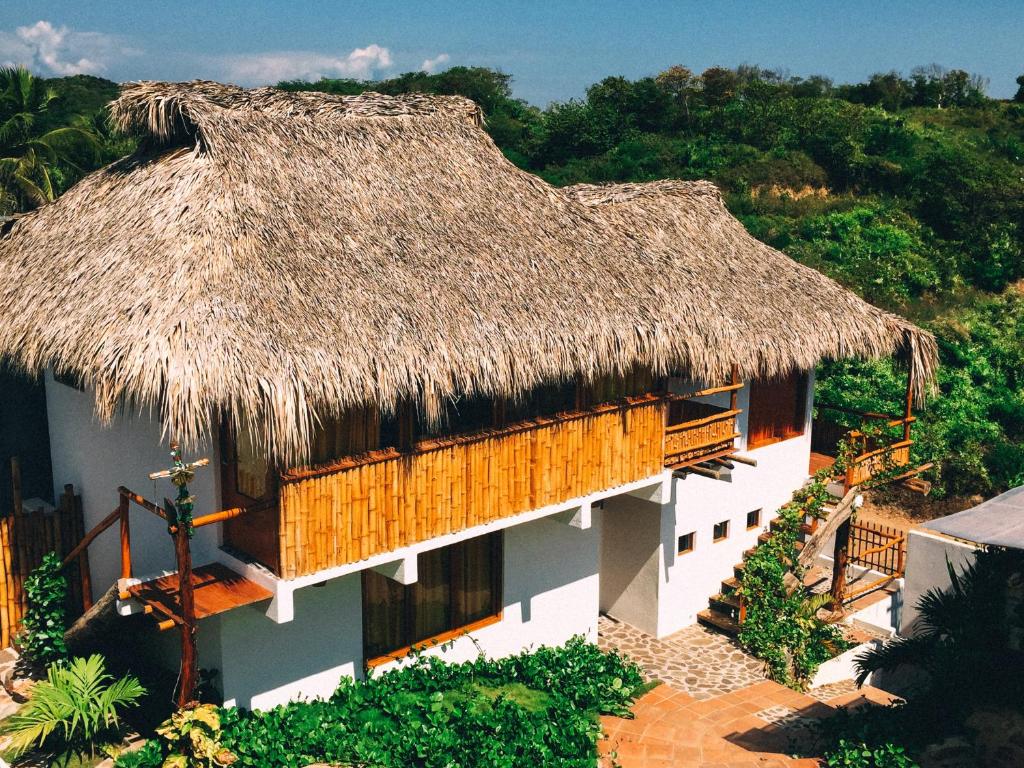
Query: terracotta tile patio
[{"x": 714, "y": 707}]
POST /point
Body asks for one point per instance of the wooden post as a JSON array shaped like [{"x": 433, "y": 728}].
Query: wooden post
[
  {"x": 735, "y": 380},
  {"x": 909, "y": 403},
  {"x": 186, "y": 591},
  {"x": 16, "y": 484},
  {"x": 840, "y": 556},
  {"x": 126, "y": 538}
]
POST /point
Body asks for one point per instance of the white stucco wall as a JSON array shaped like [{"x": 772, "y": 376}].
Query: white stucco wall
[
  {"x": 97, "y": 459},
  {"x": 927, "y": 556},
  {"x": 550, "y": 593},
  {"x": 698, "y": 503},
  {"x": 631, "y": 558}
]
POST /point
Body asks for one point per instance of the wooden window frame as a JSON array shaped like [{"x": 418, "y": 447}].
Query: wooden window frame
[
  {"x": 498, "y": 602},
  {"x": 692, "y": 536},
  {"x": 725, "y": 535},
  {"x": 757, "y": 519},
  {"x": 797, "y": 427}
]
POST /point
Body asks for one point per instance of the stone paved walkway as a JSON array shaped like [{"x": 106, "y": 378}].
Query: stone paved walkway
[{"x": 695, "y": 660}]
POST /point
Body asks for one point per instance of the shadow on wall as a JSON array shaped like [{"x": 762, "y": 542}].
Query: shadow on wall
[{"x": 24, "y": 433}]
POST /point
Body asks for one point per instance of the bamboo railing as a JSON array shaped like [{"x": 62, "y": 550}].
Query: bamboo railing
[
  {"x": 385, "y": 500},
  {"x": 26, "y": 536}
]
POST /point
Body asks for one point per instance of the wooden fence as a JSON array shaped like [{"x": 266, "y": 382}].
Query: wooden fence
[
  {"x": 25, "y": 537},
  {"x": 878, "y": 547}
]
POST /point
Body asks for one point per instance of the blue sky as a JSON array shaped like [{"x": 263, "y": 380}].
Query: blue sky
[{"x": 554, "y": 49}]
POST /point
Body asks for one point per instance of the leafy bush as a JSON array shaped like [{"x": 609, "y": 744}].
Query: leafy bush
[
  {"x": 781, "y": 624},
  {"x": 46, "y": 596},
  {"x": 541, "y": 707},
  {"x": 192, "y": 739},
  {"x": 854, "y": 754},
  {"x": 74, "y": 711}
]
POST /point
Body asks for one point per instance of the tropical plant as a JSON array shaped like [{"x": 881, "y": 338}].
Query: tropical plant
[
  {"x": 46, "y": 594},
  {"x": 76, "y": 710},
  {"x": 857, "y": 754},
  {"x": 192, "y": 738},
  {"x": 29, "y": 157},
  {"x": 964, "y": 636}
]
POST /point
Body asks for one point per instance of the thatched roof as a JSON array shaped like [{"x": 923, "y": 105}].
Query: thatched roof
[{"x": 288, "y": 256}]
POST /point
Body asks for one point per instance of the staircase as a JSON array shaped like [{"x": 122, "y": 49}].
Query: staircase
[{"x": 725, "y": 612}]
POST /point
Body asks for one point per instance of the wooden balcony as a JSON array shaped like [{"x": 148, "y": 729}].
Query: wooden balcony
[
  {"x": 880, "y": 447},
  {"x": 701, "y": 433},
  {"x": 385, "y": 500}
]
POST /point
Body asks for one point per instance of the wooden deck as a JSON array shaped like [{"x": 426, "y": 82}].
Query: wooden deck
[
  {"x": 820, "y": 461},
  {"x": 217, "y": 589}
]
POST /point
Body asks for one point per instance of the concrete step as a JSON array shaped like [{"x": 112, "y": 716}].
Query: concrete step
[
  {"x": 730, "y": 585},
  {"x": 725, "y": 604},
  {"x": 717, "y": 621},
  {"x": 737, "y": 570}
]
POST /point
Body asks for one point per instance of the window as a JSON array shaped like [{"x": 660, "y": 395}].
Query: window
[
  {"x": 777, "y": 410},
  {"x": 754, "y": 519},
  {"x": 721, "y": 531},
  {"x": 686, "y": 543},
  {"x": 459, "y": 589}
]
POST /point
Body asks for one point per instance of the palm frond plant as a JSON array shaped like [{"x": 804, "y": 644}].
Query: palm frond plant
[
  {"x": 76, "y": 710},
  {"x": 31, "y": 158},
  {"x": 961, "y": 640}
]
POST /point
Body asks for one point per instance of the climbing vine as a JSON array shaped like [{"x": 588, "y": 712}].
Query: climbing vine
[
  {"x": 781, "y": 625},
  {"x": 46, "y": 594}
]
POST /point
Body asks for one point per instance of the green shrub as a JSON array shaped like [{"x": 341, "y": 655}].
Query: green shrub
[
  {"x": 539, "y": 707},
  {"x": 192, "y": 739},
  {"x": 857, "y": 754},
  {"x": 46, "y": 595},
  {"x": 74, "y": 711}
]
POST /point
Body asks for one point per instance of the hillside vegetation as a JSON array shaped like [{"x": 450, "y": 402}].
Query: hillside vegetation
[{"x": 908, "y": 190}]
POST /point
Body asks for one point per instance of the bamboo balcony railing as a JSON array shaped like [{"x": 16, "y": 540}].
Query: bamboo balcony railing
[{"x": 385, "y": 500}]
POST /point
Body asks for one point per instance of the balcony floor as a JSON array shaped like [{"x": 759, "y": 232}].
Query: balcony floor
[
  {"x": 217, "y": 589},
  {"x": 820, "y": 461}
]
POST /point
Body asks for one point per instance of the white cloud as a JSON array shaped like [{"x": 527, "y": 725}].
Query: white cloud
[
  {"x": 53, "y": 50},
  {"x": 429, "y": 65},
  {"x": 262, "y": 68}
]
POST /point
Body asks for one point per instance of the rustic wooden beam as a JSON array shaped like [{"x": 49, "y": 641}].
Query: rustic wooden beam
[
  {"x": 186, "y": 590},
  {"x": 16, "y": 485},
  {"x": 99, "y": 528},
  {"x": 840, "y": 557},
  {"x": 743, "y": 459},
  {"x": 706, "y": 472},
  {"x": 735, "y": 382},
  {"x": 126, "y": 537}
]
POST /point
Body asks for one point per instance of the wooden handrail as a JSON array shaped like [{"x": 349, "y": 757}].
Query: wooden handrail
[
  {"x": 884, "y": 449},
  {"x": 707, "y": 392},
  {"x": 855, "y": 412},
  {"x": 99, "y": 528},
  {"x": 142, "y": 502},
  {"x": 683, "y": 426},
  {"x": 297, "y": 474},
  {"x": 881, "y": 548},
  {"x": 855, "y": 433}
]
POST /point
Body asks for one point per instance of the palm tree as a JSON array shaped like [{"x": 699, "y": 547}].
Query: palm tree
[
  {"x": 966, "y": 635},
  {"x": 29, "y": 158}
]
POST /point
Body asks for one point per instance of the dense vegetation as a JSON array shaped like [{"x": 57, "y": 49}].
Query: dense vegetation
[
  {"x": 538, "y": 708},
  {"x": 909, "y": 190}
]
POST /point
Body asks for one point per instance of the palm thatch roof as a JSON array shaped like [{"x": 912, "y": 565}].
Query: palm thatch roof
[{"x": 290, "y": 255}]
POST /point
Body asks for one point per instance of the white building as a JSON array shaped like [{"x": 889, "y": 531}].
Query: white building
[{"x": 448, "y": 403}]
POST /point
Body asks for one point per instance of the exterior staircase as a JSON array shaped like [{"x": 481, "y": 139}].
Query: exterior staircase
[{"x": 725, "y": 612}]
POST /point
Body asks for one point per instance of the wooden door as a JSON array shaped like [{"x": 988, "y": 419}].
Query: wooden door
[{"x": 248, "y": 480}]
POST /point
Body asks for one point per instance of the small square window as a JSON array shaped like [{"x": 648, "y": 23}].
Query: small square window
[
  {"x": 754, "y": 519},
  {"x": 686, "y": 543},
  {"x": 721, "y": 531}
]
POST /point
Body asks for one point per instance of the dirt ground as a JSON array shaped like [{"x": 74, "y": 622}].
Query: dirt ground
[{"x": 902, "y": 508}]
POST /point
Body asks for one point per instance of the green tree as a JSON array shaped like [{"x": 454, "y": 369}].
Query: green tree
[{"x": 30, "y": 159}]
